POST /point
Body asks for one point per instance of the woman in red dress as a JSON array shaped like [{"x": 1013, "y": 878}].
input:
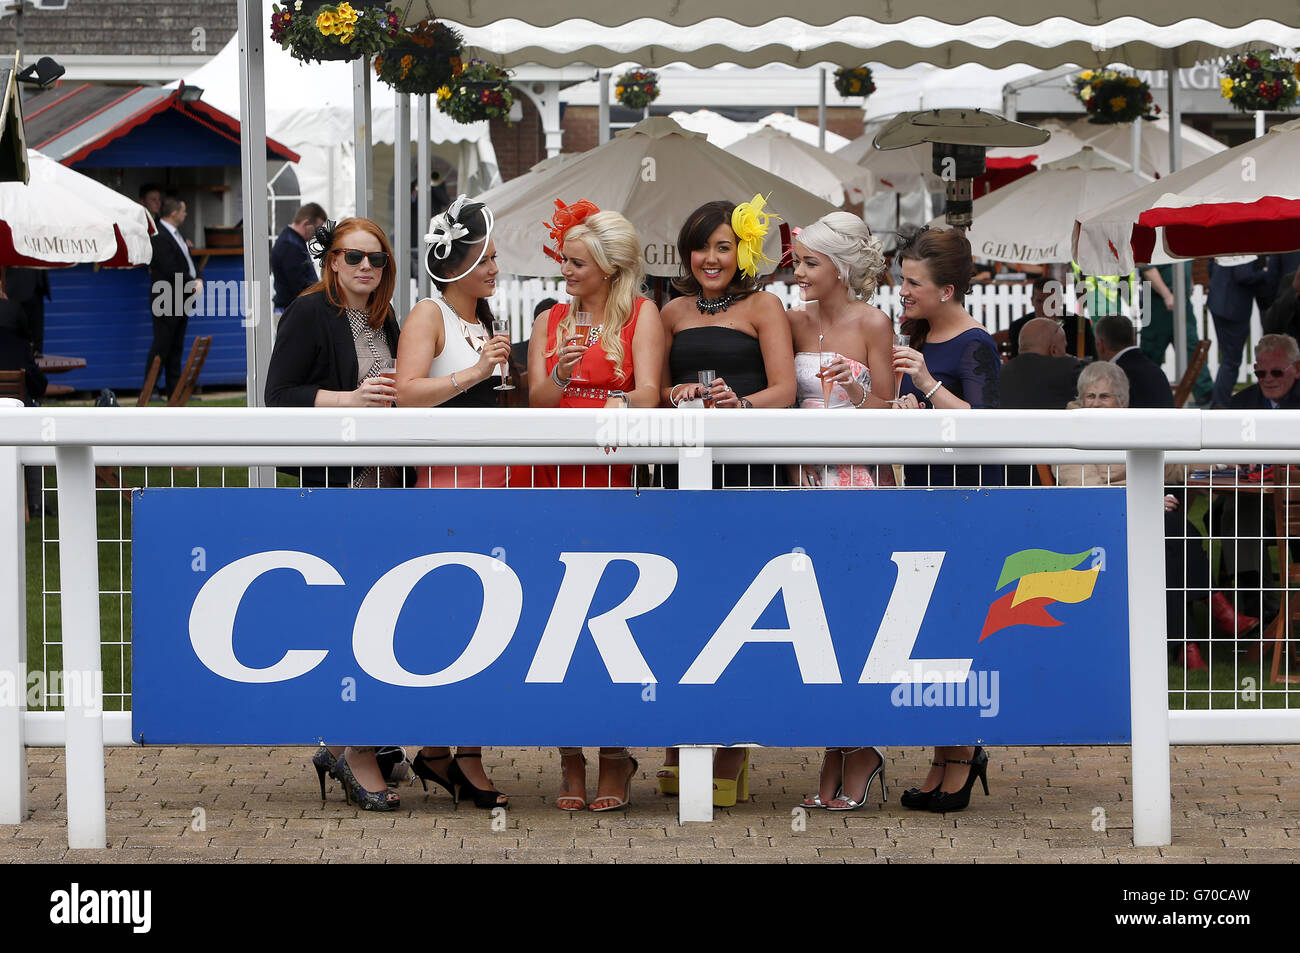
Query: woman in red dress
[{"x": 616, "y": 364}]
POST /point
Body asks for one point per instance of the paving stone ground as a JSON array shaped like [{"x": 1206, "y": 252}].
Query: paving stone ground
[{"x": 1047, "y": 805}]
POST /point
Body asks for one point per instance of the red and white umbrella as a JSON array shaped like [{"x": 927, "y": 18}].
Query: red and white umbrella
[
  {"x": 1243, "y": 201},
  {"x": 61, "y": 218}
]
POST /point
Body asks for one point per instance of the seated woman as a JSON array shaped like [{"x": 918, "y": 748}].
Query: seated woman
[
  {"x": 448, "y": 358},
  {"x": 837, "y": 264},
  {"x": 725, "y": 325},
  {"x": 332, "y": 343},
  {"x": 613, "y": 364},
  {"x": 1187, "y": 565}
]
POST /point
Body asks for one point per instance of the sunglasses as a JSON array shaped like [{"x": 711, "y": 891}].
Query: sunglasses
[
  {"x": 1261, "y": 372},
  {"x": 351, "y": 256}
]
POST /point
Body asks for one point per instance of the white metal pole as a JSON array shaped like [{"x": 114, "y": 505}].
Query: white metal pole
[
  {"x": 1148, "y": 664},
  {"x": 83, "y": 675},
  {"x": 259, "y": 331},
  {"x": 1259, "y": 123},
  {"x": 695, "y": 764},
  {"x": 13, "y": 636},
  {"x": 402, "y": 206},
  {"x": 1135, "y": 145},
  {"x": 821, "y": 109},
  {"x": 363, "y": 161},
  {"x": 602, "y": 111},
  {"x": 1175, "y": 163},
  {"x": 424, "y": 172}
]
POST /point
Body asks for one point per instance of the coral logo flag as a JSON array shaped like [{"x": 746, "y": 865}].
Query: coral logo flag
[{"x": 1042, "y": 577}]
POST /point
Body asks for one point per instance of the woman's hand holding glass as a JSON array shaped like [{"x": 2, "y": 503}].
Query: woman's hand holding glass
[
  {"x": 496, "y": 351},
  {"x": 721, "y": 394},
  {"x": 568, "y": 354},
  {"x": 911, "y": 362},
  {"x": 839, "y": 371},
  {"x": 374, "y": 392}
]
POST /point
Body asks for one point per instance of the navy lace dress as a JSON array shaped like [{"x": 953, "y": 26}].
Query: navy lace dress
[{"x": 968, "y": 366}]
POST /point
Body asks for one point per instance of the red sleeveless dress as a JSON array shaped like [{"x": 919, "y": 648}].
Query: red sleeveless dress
[{"x": 593, "y": 392}]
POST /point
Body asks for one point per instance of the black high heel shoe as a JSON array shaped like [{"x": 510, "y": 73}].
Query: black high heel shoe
[
  {"x": 420, "y": 766},
  {"x": 325, "y": 763},
  {"x": 484, "y": 800},
  {"x": 915, "y": 799},
  {"x": 957, "y": 800},
  {"x": 384, "y": 800}
]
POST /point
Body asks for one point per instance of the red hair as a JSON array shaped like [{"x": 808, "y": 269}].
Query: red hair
[{"x": 379, "y": 306}]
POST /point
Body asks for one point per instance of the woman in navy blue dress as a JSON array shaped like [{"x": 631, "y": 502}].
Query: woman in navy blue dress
[{"x": 952, "y": 364}]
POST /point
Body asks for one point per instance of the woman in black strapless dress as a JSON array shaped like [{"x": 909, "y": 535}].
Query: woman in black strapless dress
[{"x": 723, "y": 324}]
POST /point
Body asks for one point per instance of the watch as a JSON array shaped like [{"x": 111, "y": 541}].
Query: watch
[
  {"x": 627, "y": 401},
  {"x": 746, "y": 402}
]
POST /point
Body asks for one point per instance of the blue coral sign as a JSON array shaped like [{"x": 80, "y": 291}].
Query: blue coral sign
[{"x": 536, "y": 617}]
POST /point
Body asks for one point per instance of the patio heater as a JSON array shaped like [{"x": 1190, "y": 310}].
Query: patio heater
[{"x": 959, "y": 138}]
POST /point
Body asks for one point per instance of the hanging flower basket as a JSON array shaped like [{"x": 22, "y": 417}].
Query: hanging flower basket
[
  {"x": 481, "y": 91},
  {"x": 423, "y": 60},
  {"x": 854, "y": 82},
  {"x": 1112, "y": 97},
  {"x": 1259, "y": 80},
  {"x": 314, "y": 30},
  {"x": 637, "y": 89}
]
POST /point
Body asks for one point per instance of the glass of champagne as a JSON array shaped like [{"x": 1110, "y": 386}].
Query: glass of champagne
[
  {"x": 501, "y": 325},
  {"x": 900, "y": 340},
  {"x": 706, "y": 379},
  {"x": 582, "y": 324},
  {"x": 828, "y": 385},
  {"x": 388, "y": 371}
]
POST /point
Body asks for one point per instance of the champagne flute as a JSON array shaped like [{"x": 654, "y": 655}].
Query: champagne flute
[
  {"x": 706, "y": 379},
  {"x": 828, "y": 385},
  {"x": 388, "y": 371},
  {"x": 501, "y": 325},
  {"x": 900, "y": 340},
  {"x": 582, "y": 324}
]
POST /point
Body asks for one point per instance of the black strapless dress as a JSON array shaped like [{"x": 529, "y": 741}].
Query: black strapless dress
[{"x": 738, "y": 359}]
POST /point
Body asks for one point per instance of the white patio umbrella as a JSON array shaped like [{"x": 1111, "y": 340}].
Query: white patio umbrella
[
  {"x": 719, "y": 130},
  {"x": 1243, "y": 201},
  {"x": 1031, "y": 220},
  {"x": 61, "y": 218},
  {"x": 896, "y": 170},
  {"x": 804, "y": 165},
  {"x": 1063, "y": 144},
  {"x": 1153, "y": 143},
  {"x": 655, "y": 173}
]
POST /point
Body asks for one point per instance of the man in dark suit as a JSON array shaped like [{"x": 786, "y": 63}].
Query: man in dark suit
[
  {"x": 175, "y": 287},
  {"x": 1043, "y": 375},
  {"x": 151, "y": 198},
  {"x": 1283, "y": 315},
  {"x": 1234, "y": 291},
  {"x": 28, "y": 288},
  {"x": 1049, "y": 302},
  {"x": 291, "y": 266},
  {"x": 1117, "y": 343}
]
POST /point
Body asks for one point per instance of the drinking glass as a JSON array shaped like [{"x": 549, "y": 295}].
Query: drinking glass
[
  {"x": 502, "y": 326},
  {"x": 582, "y": 324},
  {"x": 706, "y": 379},
  {"x": 900, "y": 340},
  {"x": 828, "y": 385},
  {"x": 388, "y": 371}
]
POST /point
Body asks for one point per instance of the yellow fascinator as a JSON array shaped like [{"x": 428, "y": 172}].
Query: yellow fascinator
[{"x": 749, "y": 222}]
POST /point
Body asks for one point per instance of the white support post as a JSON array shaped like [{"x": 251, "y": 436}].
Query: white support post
[
  {"x": 402, "y": 207},
  {"x": 602, "y": 111},
  {"x": 424, "y": 173},
  {"x": 1148, "y": 664},
  {"x": 259, "y": 332},
  {"x": 695, "y": 764},
  {"x": 83, "y": 676},
  {"x": 821, "y": 108},
  {"x": 1175, "y": 163},
  {"x": 13, "y": 637},
  {"x": 363, "y": 160}
]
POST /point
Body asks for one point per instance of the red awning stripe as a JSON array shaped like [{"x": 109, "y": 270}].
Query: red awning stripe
[{"x": 1212, "y": 214}]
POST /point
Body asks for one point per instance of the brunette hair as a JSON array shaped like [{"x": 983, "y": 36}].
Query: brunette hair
[
  {"x": 697, "y": 228},
  {"x": 473, "y": 216},
  {"x": 378, "y": 308},
  {"x": 945, "y": 252}
]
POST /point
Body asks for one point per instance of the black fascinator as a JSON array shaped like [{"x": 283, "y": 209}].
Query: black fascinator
[{"x": 321, "y": 241}]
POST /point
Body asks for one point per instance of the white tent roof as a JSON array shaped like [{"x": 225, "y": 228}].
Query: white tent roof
[{"x": 722, "y": 131}]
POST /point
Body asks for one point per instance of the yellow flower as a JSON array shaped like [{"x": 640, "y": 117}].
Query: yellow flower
[
  {"x": 1086, "y": 93},
  {"x": 325, "y": 23},
  {"x": 345, "y": 13},
  {"x": 444, "y": 93},
  {"x": 1225, "y": 87},
  {"x": 1133, "y": 81},
  {"x": 618, "y": 92},
  {"x": 1117, "y": 103},
  {"x": 1086, "y": 75},
  {"x": 749, "y": 222}
]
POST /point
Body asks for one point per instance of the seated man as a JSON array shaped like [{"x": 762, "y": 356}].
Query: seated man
[
  {"x": 1049, "y": 302},
  {"x": 1247, "y": 527},
  {"x": 1043, "y": 375},
  {"x": 1117, "y": 343}
]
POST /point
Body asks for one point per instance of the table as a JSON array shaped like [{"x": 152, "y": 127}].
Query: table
[{"x": 53, "y": 364}]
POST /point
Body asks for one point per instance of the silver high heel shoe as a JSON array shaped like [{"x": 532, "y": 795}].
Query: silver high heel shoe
[{"x": 853, "y": 805}]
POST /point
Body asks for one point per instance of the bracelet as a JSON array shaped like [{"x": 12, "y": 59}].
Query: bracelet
[
  {"x": 930, "y": 392},
  {"x": 746, "y": 403},
  {"x": 671, "y": 398},
  {"x": 858, "y": 405},
  {"x": 555, "y": 378},
  {"x": 622, "y": 395},
  {"x": 454, "y": 384}
]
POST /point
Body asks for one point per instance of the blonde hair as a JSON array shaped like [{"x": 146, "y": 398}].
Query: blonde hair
[
  {"x": 615, "y": 249},
  {"x": 846, "y": 240}
]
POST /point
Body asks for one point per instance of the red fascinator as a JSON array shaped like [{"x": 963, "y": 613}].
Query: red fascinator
[{"x": 565, "y": 217}]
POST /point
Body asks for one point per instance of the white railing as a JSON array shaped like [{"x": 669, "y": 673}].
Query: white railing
[{"x": 76, "y": 440}]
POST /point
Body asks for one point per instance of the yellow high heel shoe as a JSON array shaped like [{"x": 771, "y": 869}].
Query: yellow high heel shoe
[
  {"x": 726, "y": 791},
  {"x": 668, "y": 780}
]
